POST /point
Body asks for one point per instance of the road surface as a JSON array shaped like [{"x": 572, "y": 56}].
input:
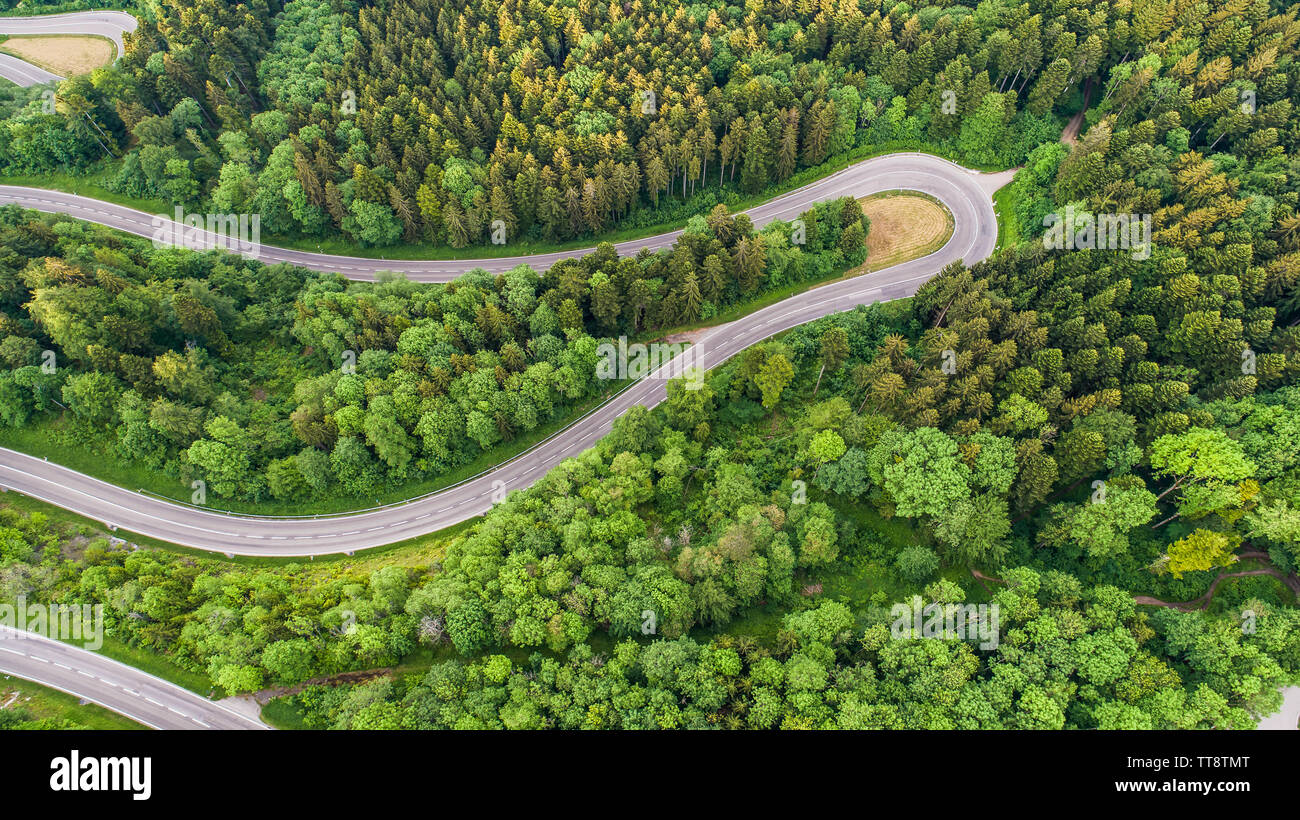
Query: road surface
[
  {"x": 1288, "y": 716},
  {"x": 148, "y": 700},
  {"x": 110, "y": 24},
  {"x": 913, "y": 171},
  {"x": 967, "y": 195},
  {"x": 23, "y": 73}
]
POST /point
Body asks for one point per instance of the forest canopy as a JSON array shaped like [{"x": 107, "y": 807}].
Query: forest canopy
[{"x": 1104, "y": 445}]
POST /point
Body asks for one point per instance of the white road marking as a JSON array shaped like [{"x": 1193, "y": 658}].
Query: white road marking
[{"x": 969, "y": 203}]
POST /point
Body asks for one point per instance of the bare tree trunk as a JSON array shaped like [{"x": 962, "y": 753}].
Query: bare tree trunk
[
  {"x": 944, "y": 312},
  {"x": 1166, "y": 521},
  {"x": 1173, "y": 487}
]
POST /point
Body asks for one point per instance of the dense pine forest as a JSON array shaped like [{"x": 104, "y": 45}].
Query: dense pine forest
[
  {"x": 1103, "y": 444},
  {"x": 422, "y": 121}
]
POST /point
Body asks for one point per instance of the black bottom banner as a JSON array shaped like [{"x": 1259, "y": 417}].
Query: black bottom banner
[{"x": 173, "y": 771}]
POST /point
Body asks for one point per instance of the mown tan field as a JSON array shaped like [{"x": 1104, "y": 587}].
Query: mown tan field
[
  {"x": 903, "y": 226},
  {"x": 66, "y": 55}
]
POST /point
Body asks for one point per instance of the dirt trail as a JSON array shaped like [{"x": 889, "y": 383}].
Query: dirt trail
[
  {"x": 1292, "y": 582},
  {"x": 691, "y": 336},
  {"x": 264, "y": 696},
  {"x": 1071, "y": 133},
  {"x": 1204, "y": 601}
]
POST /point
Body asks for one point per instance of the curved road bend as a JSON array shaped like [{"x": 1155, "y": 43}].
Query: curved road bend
[
  {"x": 24, "y": 74},
  {"x": 965, "y": 193},
  {"x": 110, "y": 24},
  {"x": 869, "y": 176},
  {"x": 148, "y": 700}
]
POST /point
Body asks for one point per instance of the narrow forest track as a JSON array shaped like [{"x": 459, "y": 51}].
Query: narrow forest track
[
  {"x": 1291, "y": 580},
  {"x": 1070, "y": 134},
  {"x": 1204, "y": 601}
]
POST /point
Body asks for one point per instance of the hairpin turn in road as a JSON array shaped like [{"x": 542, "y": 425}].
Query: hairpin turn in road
[{"x": 967, "y": 195}]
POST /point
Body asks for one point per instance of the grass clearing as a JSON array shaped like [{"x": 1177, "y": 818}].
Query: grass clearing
[
  {"x": 904, "y": 225},
  {"x": 284, "y": 713},
  {"x": 64, "y": 54},
  {"x": 1004, "y": 205},
  {"x": 44, "y": 702}
]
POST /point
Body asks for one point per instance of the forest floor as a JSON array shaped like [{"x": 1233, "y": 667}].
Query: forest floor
[
  {"x": 63, "y": 54},
  {"x": 1070, "y": 135}
]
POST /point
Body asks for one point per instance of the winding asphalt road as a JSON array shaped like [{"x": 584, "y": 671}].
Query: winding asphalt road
[
  {"x": 967, "y": 194},
  {"x": 24, "y": 73},
  {"x": 160, "y": 704},
  {"x": 148, "y": 700},
  {"x": 157, "y": 703},
  {"x": 913, "y": 171},
  {"x": 110, "y": 24}
]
